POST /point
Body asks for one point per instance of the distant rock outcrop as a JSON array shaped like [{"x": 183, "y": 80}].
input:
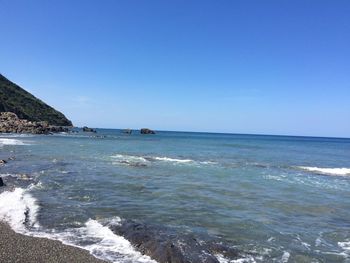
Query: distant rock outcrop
[
  {"x": 147, "y": 131},
  {"x": 87, "y": 129},
  {"x": 10, "y": 123},
  {"x": 15, "y": 99}
]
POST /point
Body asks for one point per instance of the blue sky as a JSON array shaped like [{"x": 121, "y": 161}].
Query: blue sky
[{"x": 240, "y": 66}]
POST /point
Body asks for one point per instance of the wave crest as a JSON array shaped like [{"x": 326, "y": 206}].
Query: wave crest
[
  {"x": 134, "y": 160},
  {"x": 19, "y": 209},
  {"x": 326, "y": 171},
  {"x": 7, "y": 141}
]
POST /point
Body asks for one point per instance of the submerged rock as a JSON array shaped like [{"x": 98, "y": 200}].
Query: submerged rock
[
  {"x": 10, "y": 123},
  {"x": 147, "y": 131},
  {"x": 166, "y": 246}
]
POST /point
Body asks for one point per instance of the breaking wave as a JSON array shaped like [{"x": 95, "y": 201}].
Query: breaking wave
[
  {"x": 326, "y": 171},
  {"x": 133, "y": 160},
  {"x": 8, "y": 141},
  {"x": 19, "y": 209}
]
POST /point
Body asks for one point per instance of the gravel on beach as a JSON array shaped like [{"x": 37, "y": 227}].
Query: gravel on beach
[{"x": 15, "y": 247}]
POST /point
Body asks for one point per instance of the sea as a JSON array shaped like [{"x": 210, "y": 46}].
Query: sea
[{"x": 271, "y": 198}]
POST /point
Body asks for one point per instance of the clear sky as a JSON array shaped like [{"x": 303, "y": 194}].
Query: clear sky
[{"x": 240, "y": 66}]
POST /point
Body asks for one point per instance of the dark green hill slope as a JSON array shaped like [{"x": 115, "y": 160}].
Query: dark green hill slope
[{"x": 15, "y": 99}]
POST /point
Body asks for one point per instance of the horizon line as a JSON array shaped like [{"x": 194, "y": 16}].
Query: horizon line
[{"x": 225, "y": 133}]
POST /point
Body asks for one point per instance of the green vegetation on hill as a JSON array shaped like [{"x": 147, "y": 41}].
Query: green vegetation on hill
[{"x": 15, "y": 99}]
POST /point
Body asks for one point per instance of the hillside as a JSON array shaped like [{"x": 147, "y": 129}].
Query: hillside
[{"x": 15, "y": 99}]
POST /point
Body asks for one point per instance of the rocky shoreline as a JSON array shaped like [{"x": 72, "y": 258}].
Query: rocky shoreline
[{"x": 10, "y": 123}]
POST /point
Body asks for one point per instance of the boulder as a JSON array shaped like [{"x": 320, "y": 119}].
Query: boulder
[
  {"x": 166, "y": 245},
  {"x": 147, "y": 131}
]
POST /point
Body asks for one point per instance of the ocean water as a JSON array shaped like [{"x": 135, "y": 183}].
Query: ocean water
[{"x": 273, "y": 198}]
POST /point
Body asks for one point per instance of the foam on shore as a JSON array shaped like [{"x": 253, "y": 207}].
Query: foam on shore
[{"x": 19, "y": 209}]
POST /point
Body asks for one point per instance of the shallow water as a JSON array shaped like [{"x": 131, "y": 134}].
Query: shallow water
[{"x": 275, "y": 198}]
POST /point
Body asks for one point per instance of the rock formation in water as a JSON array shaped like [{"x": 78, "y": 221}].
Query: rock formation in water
[
  {"x": 87, "y": 129},
  {"x": 166, "y": 245},
  {"x": 10, "y": 123},
  {"x": 15, "y": 99},
  {"x": 147, "y": 131}
]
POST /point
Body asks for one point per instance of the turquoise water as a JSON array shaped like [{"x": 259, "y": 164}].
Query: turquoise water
[{"x": 275, "y": 198}]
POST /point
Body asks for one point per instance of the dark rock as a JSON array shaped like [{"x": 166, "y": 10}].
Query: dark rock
[
  {"x": 147, "y": 131},
  {"x": 166, "y": 246},
  {"x": 1, "y": 182},
  {"x": 2, "y": 162},
  {"x": 87, "y": 129},
  {"x": 10, "y": 123}
]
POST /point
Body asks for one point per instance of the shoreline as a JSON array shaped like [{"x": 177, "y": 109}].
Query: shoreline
[{"x": 15, "y": 247}]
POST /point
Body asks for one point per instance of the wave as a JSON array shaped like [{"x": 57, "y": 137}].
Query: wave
[
  {"x": 222, "y": 259},
  {"x": 167, "y": 159},
  {"x": 133, "y": 160},
  {"x": 100, "y": 241},
  {"x": 129, "y": 160},
  {"x": 19, "y": 209},
  {"x": 15, "y": 135},
  {"x": 8, "y": 141},
  {"x": 345, "y": 245},
  {"x": 326, "y": 171}
]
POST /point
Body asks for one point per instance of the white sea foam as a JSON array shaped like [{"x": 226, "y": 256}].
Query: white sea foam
[
  {"x": 8, "y": 141},
  {"x": 18, "y": 208},
  {"x": 16, "y": 135},
  {"x": 134, "y": 160},
  {"x": 222, "y": 259},
  {"x": 167, "y": 159},
  {"x": 131, "y": 158},
  {"x": 109, "y": 246},
  {"x": 345, "y": 245},
  {"x": 6, "y": 175},
  {"x": 327, "y": 171},
  {"x": 285, "y": 257},
  {"x": 100, "y": 241},
  {"x": 182, "y": 161}
]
